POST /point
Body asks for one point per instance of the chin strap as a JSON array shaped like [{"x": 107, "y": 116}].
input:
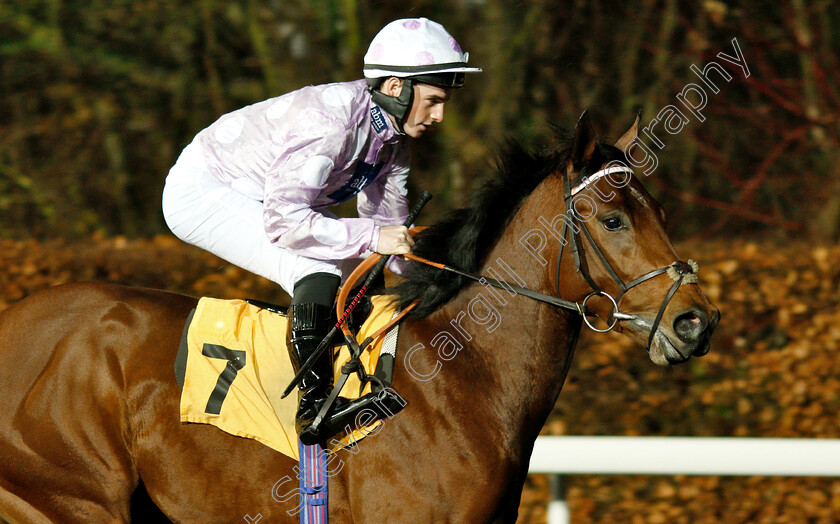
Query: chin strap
[{"x": 396, "y": 106}]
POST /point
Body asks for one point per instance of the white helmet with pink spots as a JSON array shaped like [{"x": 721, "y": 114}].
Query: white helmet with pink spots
[{"x": 420, "y": 49}]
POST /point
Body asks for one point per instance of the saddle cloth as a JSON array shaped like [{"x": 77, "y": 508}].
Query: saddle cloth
[{"x": 237, "y": 368}]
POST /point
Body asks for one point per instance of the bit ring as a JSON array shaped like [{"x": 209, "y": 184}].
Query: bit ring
[{"x": 612, "y": 313}]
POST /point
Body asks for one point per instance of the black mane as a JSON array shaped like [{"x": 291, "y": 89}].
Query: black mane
[{"x": 465, "y": 237}]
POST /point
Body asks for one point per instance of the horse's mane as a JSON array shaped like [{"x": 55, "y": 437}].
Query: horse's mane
[{"x": 465, "y": 237}]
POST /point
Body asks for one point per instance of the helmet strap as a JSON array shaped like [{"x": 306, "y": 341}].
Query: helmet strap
[{"x": 396, "y": 106}]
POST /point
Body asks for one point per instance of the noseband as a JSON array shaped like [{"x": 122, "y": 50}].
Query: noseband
[{"x": 680, "y": 272}]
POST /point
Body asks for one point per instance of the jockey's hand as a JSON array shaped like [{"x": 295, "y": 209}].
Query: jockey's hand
[{"x": 394, "y": 240}]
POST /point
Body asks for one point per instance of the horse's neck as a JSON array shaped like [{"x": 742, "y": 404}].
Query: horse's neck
[
  {"x": 517, "y": 364},
  {"x": 512, "y": 352}
]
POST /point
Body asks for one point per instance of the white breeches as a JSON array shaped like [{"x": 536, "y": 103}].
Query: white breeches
[{"x": 228, "y": 222}]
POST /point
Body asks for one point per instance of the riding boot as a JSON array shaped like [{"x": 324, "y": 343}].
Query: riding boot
[{"x": 309, "y": 322}]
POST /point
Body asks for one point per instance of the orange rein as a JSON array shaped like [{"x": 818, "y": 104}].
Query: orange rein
[
  {"x": 357, "y": 275},
  {"x": 411, "y": 256}
]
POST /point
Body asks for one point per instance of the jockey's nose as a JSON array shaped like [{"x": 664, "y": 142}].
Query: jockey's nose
[
  {"x": 690, "y": 326},
  {"x": 437, "y": 114}
]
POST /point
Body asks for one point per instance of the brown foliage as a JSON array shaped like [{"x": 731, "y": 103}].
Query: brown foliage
[{"x": 161, "y": 262}]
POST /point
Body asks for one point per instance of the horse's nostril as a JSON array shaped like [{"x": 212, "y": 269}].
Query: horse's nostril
[{"x": 690, "y": 325}]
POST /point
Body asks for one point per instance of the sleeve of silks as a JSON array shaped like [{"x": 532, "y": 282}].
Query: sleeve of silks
[{"x": 294, "y": 182}]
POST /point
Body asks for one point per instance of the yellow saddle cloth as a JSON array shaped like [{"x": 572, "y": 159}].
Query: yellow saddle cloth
[{"x": 238, "y": 366}]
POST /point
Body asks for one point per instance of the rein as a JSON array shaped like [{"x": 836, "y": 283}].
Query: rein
[
  {"x": 501, "y": 284},
  {"x": 680, "y": 272}
]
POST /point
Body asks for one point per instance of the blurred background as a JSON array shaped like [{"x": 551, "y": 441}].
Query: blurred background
[{"x": 97, "y": 99}]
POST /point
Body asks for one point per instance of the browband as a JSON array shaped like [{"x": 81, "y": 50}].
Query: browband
[{"x": 591, "y": 179}]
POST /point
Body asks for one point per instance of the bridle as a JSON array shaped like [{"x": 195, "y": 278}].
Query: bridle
[{"x": 680, "y": 272}]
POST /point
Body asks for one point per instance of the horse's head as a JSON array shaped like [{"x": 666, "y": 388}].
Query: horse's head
[{"x": 616, "y": 245}]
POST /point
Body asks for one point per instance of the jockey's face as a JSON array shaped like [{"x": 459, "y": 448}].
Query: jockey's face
[{"x": 426, "y": 109}]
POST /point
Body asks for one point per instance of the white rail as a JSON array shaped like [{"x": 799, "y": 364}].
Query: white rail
[{"x": 679, "y": 456}]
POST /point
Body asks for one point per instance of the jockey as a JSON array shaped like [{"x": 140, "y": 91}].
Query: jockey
[{"x": 253, "y": 187}]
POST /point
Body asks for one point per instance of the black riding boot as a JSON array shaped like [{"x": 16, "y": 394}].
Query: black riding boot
[{"x": 309, "y": 322}]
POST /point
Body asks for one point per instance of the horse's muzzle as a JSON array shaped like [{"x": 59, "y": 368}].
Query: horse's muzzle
[{"x": 694, "y": 329}]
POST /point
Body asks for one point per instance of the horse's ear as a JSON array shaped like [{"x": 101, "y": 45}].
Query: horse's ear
[
  {"x": 584, "y": 143},
  {"x": 630, "y": 135}
]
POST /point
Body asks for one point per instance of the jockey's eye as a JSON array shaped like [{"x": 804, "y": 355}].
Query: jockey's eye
[{"x": 613, "y": 224}]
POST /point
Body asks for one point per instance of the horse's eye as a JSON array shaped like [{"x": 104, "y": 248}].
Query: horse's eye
[{"x": 613, "y": 224}]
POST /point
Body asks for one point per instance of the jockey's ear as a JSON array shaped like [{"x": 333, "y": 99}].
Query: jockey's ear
[
  {"x": 392, "y": 86},
  {"x": 631, "y": 134},
  {"x": 584, "y": 142}
]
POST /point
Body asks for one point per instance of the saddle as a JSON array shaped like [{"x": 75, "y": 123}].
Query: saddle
[{"x": 232, "y": 366}]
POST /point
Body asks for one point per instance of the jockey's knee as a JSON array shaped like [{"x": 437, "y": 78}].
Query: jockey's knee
[{"x": 318, "y": 288}]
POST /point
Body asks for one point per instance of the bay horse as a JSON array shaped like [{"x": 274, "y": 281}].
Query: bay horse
[{"x": 90, "y": 406}]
